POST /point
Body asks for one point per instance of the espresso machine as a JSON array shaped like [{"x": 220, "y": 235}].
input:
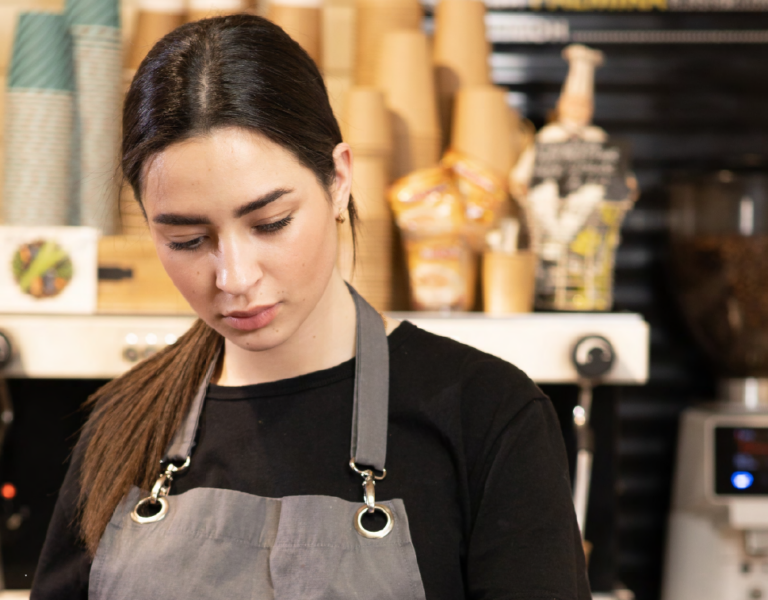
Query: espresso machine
[{"x": 717, "y": 545}]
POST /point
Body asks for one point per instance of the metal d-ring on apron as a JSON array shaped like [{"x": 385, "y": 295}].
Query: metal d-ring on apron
[{"x": 219, "y": 543}]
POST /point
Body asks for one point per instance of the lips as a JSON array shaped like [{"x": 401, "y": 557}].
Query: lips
[{"x": 254, "y": 319}]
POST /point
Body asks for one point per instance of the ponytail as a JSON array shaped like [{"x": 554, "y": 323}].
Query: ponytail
[{"x": 133, "y": 420}]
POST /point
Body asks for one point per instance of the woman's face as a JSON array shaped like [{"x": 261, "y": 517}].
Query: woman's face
[{"x": 246, "y": 233}]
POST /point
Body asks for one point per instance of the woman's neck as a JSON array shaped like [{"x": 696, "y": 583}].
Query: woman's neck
[{"x": 325, "y": 339}]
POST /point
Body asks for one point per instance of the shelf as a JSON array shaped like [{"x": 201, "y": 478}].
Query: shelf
[{"x": 103, "y": 347}]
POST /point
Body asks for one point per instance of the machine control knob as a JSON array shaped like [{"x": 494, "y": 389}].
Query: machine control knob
[
  {"x": 6, "y": 350},
  {"x": 130, "y": 354},
  {"x": 593, "y": 356}
]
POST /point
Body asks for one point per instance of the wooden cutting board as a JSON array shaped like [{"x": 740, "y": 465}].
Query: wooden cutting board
[{"x": 132, "y": 279}]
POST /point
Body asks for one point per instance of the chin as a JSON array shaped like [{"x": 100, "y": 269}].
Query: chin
[{"x": 257, "y": 340}]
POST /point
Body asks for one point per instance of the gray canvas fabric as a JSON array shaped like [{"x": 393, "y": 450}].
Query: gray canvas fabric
[
  {"x": 184, "y": 439},
  {"x": 371, "y": 407},
  {"x": 217, "y": 543},
  {"x": 226, "y": 544}
]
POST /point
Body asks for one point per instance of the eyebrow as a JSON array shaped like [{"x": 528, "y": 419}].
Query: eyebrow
[{"x": 261, "y": 202}]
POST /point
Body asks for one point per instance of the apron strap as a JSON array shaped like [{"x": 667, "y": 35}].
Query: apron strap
[
  {"x": 370, "y": 415},
  {"x": 371, "y": 398},
  {"x": 184, "y": 439}
]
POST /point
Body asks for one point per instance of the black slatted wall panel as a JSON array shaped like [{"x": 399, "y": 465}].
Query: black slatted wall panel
[{"x": 691, "y": 102}]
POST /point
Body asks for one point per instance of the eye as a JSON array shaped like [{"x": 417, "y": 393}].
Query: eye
[
  {"x": 188, "y": 245},
  {"x": 275, "y": 226}
]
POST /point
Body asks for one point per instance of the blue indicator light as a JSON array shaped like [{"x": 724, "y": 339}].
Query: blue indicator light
[{"x": 741, "y": 480}]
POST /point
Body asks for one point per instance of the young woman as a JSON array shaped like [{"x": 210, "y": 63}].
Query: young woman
[{"x": 222, "y": 467}]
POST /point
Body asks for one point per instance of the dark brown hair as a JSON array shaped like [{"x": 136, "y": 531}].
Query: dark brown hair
[{"x": 235, "y": 71}]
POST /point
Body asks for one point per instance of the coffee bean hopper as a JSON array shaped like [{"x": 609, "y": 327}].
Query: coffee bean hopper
[{"x": 717, "y": 546}]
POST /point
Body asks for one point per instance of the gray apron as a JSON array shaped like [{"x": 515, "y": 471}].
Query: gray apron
[{"x": 223, "y": 544}]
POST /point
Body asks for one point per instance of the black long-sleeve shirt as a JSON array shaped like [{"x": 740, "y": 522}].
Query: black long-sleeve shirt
[{"x": 474, "y": 450}]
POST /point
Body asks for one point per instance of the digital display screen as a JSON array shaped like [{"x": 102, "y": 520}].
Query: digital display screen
[{"x": 741, "y": 461}]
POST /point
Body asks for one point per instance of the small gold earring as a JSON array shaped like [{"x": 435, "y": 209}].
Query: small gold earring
[{"x": 340, "y": 218}]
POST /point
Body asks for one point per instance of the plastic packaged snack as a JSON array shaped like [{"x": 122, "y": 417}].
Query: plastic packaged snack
[
  {"x": 442, "y": 273},
  {"x": 427, "y": 203},
  {"x": 483, "y": 192}
]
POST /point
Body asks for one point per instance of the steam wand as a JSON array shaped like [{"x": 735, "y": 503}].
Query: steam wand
[{"x": 593, "y": 357}]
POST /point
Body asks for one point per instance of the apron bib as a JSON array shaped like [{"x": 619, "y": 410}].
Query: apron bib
[{"x": 222, "y": 544}]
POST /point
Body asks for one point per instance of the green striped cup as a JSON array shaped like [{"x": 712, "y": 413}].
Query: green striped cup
[{"x": 42, "y": 53}]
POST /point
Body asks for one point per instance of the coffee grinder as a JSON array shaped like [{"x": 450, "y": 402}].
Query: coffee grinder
[{"x": 717, "y": 546}]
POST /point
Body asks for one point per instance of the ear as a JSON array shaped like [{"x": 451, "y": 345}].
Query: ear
[{"x": 342, "y": 185}]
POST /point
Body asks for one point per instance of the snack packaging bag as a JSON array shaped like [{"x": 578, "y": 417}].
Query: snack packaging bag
[
  {"x": 483, "y": 194},
  {"x": 483, "y": 191},
  {"x": 442, "y": 273},
  {"x": 427, "y": 203}
]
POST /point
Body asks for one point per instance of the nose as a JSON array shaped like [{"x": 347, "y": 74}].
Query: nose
[{"x": 237, "y": 266}]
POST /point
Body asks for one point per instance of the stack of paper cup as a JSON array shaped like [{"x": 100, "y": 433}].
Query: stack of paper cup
[
  {"x": 155, "y": 19},
  {"x": 39, "y": 123},
  {"x": 486, "y": 128},
  {"x": 95, "y": 29},
  {"x": 405, "y": 75},
  {"x": 301, "y": 20},
  {"x": 339, "y": 18},
  {"x": 367, "y": 129},
  {"x": 366, "y": 126},
  {"x": 461, "y": 53},
  {"x": 202, "y": 9},
  {"x": 376, "y": 18}
]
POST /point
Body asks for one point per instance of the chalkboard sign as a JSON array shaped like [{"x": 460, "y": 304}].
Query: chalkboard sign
[{"x": 577, "y": 162}]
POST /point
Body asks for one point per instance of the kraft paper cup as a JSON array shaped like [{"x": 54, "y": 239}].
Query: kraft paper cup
[
  {"x": 339, "y": 22},
  {"x": 412, "y": 153},
  {"x": 483, "y": 127},
  {"x": 509, "y": 282},
  {"x": 460, "y": 41},
  {"x": 366, "y": 123},
  {"x": 372, "y": 272},
  {"x": 338, "y": 87},
  {"x": 301, "y": 19},
  {"x": 461, "y": 52},
  {"x": 375, "y": 18},
  {"x": 203, "y": 9},
  {"x": 39, "y": 123},
  {"x": 151, "y": 25},
  {"x": 369, "y": 185},
  {"x": 406, "y": 77}
]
